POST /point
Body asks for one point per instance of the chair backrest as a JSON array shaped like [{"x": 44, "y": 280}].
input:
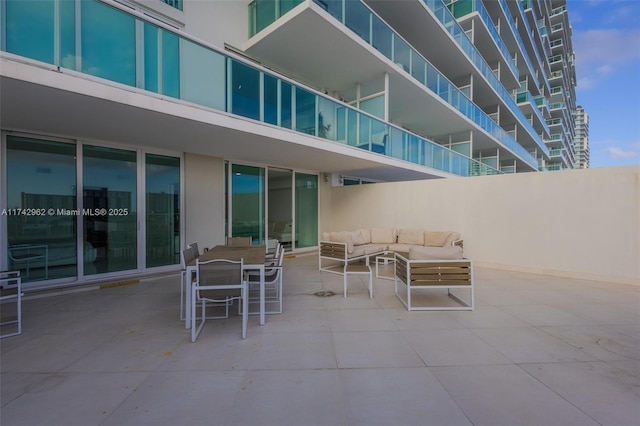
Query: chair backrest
[
  {"x": 239, "y": 241},
  {"x": 219, "y": 272},
  {"x": 188, "y": 255},
  {"x": 272, "y": 246},
  {"x": 195, "y": 248}
]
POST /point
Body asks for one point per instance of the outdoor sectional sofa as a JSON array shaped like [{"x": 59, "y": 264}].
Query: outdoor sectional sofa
[
  {"x": 424, "y": 260},
  {"x": 347, "y": 246}
]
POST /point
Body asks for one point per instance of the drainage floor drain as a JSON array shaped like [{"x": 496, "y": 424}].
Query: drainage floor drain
[{"x": 323, "y": 293}]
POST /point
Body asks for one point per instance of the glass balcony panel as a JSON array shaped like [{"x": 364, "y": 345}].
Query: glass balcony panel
[
  {"x": 287, "y": 5},
  {"x": 418, "y": 67},
  {"x": 151, "y": 66},
  {"x": 108, "y": 43},
  {"x": 334, "y": 7},
  {"x": 327, "y": 117},
  {"x": 357, "y": 19},
  {"x": 29, "y": 24},
  {"x": 364, "y": 139},
  {"x": 382, "y": 37},
  {"x": 352, "y": 127},
  {"x": 203, "y": 76},
  {"x": 305, "y": 111},
  {"x": 401, "y": 54},
  {"x": 286, "y": 105},
  {"x": 245, "y": 90},
  {"x": 270, "y": 97},
  {"x": 67, "y": 35},
  {"x": 170, "y": 64},
  {"x": 265, "y": 14}
]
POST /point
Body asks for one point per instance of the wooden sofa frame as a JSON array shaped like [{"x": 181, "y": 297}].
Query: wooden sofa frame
[{"x": 417, "y": 275}]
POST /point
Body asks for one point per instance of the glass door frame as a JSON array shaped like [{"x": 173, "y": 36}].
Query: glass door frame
[
  {"x": 229, "y": 198},
  {"x": 80, "y": 238}
]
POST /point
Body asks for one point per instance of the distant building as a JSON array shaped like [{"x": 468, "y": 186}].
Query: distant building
[{"x": 581, "y": 140}]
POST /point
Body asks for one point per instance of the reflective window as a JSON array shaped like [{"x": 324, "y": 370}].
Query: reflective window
[
  {"x": 162, "y": 182},
  {"x": 110, "y": 194},
  {"x": 28, "y": 24},
  {"x": 248, "y": 202},
  {"x": 306, "y": 226},
  {"x": 245, "y": 90},
  {"x": 108, "y": 43},
  {"x": 280, "y": 206},
  {"x": 41, "y": 178}
]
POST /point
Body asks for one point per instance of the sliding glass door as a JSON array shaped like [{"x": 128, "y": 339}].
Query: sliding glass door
[
  {"x": 41, "y": 203},
  {"x": 291, "y": 205},
  {"x": 110, "y": 205}
]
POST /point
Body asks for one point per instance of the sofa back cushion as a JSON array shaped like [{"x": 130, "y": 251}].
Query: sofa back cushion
[
  {"x": 383, "y": 235},
  {"x": 358, "y": 238},
  {"x": 435, "y": 238},
  {"x": 366, "y": 235},
  {"x": 343, "y": 237},
  {"x": 411, "y": 236}
]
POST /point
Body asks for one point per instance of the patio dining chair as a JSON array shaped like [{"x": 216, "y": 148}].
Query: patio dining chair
[
  {"x": 218, "y": 282},
  {"x": 272, "y": 285},
  {"x": 239, "y": 241},
  {"x": 188, "y": 255},
  {"x": 195, "y": 248}
]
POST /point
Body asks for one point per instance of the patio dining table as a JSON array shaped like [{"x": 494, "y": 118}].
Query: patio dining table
[{"x": 252, "y": 258}]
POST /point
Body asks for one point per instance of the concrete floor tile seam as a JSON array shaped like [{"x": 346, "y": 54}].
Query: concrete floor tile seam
[{"x": 520, "y": 366}]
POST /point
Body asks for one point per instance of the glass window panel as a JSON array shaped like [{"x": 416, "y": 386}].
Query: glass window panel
[
  {"x": 162, "y": 181},
  {"x": 30, "y": 29},
  {"x": 270, "y": 99},
  {"x": 306, "y": 228},
  {"x": 170, "y": 64},
  {"x": 108, "y": 43},
  {"x": 247, "y": 201},
  {"x": 41, "y": 177},
  {"x": 110, "y": 192},
  {"x": 245, "y": 90},
  {"x": 281, "y": 206},
  {"x": 203, "y": 76},
  {"x": 305, "y": 111}
]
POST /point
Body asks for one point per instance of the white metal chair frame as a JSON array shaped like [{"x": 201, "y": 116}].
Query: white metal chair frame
[
  {"x": 272, "y": 282},
  {"x": 358, "y": 269},
  {"x": 188, "y": 255},
  {"x": 11, "y": 289},
  {"x": 199, "y": 288}
]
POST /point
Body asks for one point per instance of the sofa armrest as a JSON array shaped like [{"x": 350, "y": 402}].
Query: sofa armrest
[
  {"x": 459, "y": 243},
  {"x": 333, "y": 250}
]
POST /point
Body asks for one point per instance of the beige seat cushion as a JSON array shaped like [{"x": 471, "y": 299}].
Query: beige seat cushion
[{"x": 435, "y": 253}]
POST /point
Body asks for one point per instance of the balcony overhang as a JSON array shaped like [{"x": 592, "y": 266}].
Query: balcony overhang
[
  {"x": 312, "y": 47},
  {"x": 40, "y": 99}
]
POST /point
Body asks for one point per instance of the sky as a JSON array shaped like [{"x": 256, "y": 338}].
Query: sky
[{"x": 606, "y": 43}]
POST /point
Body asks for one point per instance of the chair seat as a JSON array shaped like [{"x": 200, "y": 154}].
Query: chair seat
[{"x": 357, "y": 269}]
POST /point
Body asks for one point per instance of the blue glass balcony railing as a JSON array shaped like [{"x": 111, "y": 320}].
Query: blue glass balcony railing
[
  {"x": 119, "y": 45},
  {"x": 464, "y": 7},
  {"x": 450, "y": 24},
  {"x": 366, "y": 24}
]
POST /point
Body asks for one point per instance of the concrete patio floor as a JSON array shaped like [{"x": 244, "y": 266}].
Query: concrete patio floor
[{"x": 538, "y": 350}]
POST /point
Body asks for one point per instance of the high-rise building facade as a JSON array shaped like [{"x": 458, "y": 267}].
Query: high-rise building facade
[
  {"x": 114, "y": 112},
  {"x": 581, "y": 140}
]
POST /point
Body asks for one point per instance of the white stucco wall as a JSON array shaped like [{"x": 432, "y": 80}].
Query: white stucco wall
[
  {"x": 204, "y": 200},
  {"x": 577, "y": 223}
]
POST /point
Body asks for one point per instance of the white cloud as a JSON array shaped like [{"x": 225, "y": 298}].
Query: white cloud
[
  {"x": 609, "y": 46},
  {"x": 620, "y": 154}
]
